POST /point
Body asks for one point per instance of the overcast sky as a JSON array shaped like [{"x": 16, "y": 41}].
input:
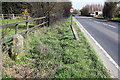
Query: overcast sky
[{"x": 78, "y": 4}]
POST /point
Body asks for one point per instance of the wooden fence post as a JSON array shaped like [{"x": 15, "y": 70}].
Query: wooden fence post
[
  {"x": 48, "y": 16},
  {"x": 27, "y": 26},
  {"x": 3, "y": 32},
  {"x": 45, "y": 21},
  {"x": 16, "y": 29},
  {"x": 13, "y": 16},
  {"x": 2, "y": 16},
  {"x": 48, "y": 20},
  {"x": 74, "y": 32}
]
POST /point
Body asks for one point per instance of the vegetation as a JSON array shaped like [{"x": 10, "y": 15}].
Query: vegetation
[
  {"x": 53, "y": 10},
  {"x": 52, "y": 52},
  {"x": 116, "y": 19},
  {"x": 117, "y": 11},
  {"x": 109, "y": 9},
  {"x": 113, "y": 19},
  {"x": 99, "y": 17},
  {"x": 6, "y": 21},
  {"x": 75, "y": 11},
  {"x": 15, "y": 7},
  {"x": 10, "y": 30},
  {"x": 85, "y": 11}
]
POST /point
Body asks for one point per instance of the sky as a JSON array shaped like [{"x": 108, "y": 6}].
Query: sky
[{"x": 78, "y": 4}]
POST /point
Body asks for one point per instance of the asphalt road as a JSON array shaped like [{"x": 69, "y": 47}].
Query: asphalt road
[{"x": 104, "y": 32}]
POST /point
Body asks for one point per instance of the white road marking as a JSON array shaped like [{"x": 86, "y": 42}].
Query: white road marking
[
  {"x": 85, "y": 17},
  {"x": 104, "y": 20},
  {"x": 106, "y": 24},
  {"x": 97, "y": 22},
  {"x": 112, "y": 26},
  {"x": 107, "y": 55}
]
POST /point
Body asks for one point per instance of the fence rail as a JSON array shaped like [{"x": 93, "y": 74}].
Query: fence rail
[
  {"x": 13, "y": 16},
  {"x": 44, "y": 22},
  {"x": 11, "y": 24}
]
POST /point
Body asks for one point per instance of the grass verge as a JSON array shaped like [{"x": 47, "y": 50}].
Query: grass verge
[
  {"x": 52, "y": 52},
  {"x": 113, "y": 19},
  {"x": 7, "y": 21},
  {"x": 10, "y": 30}
]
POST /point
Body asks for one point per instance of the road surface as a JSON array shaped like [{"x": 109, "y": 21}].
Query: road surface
[{"x": 104, "y": 32}]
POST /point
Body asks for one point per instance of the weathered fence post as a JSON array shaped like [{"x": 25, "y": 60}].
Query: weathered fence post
[
  {"x": 2, "y": 32},
  {"x": 48, "y": 16},
  {"x": 2, "y": 16},
  {"x": 13, "y": 16},
  {"x": 46, "y": 21},
  {"x": 16, "y": 29},
  {"x": 27, "y": 26},
  {"x": 43, "y": 22},
  {"x": 74, "y": 32}
]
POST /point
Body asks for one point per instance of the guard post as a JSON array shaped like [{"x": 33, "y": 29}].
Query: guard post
[
  {"x": 72, "y": 27},
  {"x": 71, "y": 11}
]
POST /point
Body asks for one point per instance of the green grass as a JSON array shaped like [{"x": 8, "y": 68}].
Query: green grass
[
  {"x": 54, "y": 53},
  {"x": 7, "y": 76},
  {"x": 6, "y": 21},
  {"x": 116, "y": 19},
  {"x": 113, "y": 19},
  {"x": 10, "y": 30},
  {"x": 99, "y": 17}
]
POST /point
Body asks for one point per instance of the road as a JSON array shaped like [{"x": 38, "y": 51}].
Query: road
[{"x": 104, "y": 32}]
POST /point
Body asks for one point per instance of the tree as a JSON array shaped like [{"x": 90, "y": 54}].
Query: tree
[
  {"x": 91, "y": 8},
  {"x": 85, "y": 11},
  {"x": 109, "y": 9},
  {"x": 117, "y": 10},
  {"x": 53, "y": 10},
  {"x": 15, "y": 7},
  {"x": 75, "y": 11},
  {"x": 25, "y": 13}
]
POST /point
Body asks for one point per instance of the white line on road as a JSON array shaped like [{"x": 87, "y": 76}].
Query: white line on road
[
  {"x": 109, "y": 25},
  {"x": 107, "y": 55},
  {"x": 112, "y": 26},
  {"x": 85, "y": 17},
  {"x": 106, "y": 24},
  {"x": 97, "y": 22}
]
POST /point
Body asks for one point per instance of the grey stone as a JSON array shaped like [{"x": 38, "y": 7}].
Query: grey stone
[{"x": 17, "y": 48}]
